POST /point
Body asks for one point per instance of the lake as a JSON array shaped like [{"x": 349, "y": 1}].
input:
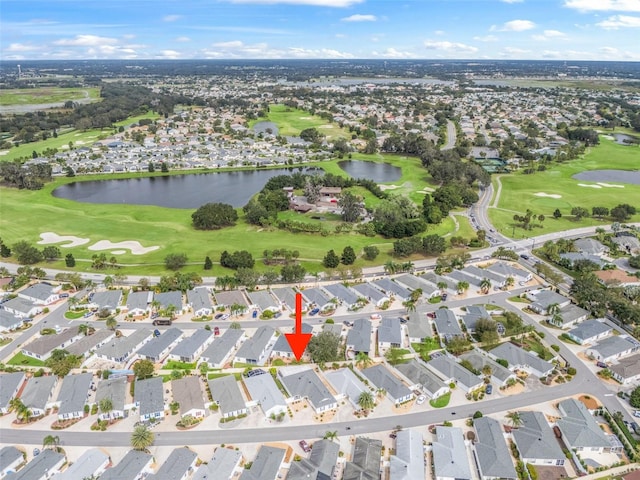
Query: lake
[
  {"x": 618, "y": 176},
  {"x": 378, "y": 172}
]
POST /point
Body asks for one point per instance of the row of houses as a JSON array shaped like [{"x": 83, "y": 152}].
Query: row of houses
[{"x": 27, "y": 303}]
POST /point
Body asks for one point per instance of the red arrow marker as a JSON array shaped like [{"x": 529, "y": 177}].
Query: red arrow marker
[{"x": 298, "y": 341}]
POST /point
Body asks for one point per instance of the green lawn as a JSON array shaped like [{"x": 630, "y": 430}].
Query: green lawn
[
  {"x": 518, "y": 191},
  {"x": 19, "y": 359},
  {"x": 291, "y": 121},
  {"x": 441, "y": 401},
  {"x": 35, "y": 96},
  {"x": 75, "y": 314},
  {"x": 174, "y": 365}
]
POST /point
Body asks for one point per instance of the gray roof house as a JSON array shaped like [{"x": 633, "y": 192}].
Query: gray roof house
[
  {"x": 628, "y": 244},
  {"x": 491, "y": 451},
  {"x": 200, "y": 301},
  {"x": 315, "y": 296},
  {"x": 589, "y": 331},
  {"x": 434, "y": 279},
  {"x": 134, "y": 464},
  {"x": 371, "y": 293},
  {"x": 320, "y": 465},
  {"x": 87, "y": 345},
  {"x": 113, "y": 388},
  {"x": 139, "y": 303},
  {"x": 92, "y": 462},
  {"x": 109, "y": 299},
  {"x": 120, "y": 349},
  {"x": 478, "y": 360},
  {"x": 178, "y": 466},
  {"x": 226, "y": 393},
  {"x": 507, "y": 270},
  {"x": 41, "y": 348},
  {"x": 266, "y": 465},
  {"x": 392, "y": 288},
  {"x": 282, "y": 348},
  {"x": 390, "y": 333},
  {"x": 580, "y": 430},
  {"x": 223, "y": 465},
  {"x": 256, "y": 350},
  {"x": 37, "y": 394},
  {"x": 40, "y": 294},
  {"x": 346, "y": 296},
  {"x": 421, "y": 377},
  {"x": 228, "y": 298},
  {"x": 520, "y": 359},
  {"x": 459, "y": 276},
  {"x": 149, "y": 398},
  {"x": 73, "y": 395},
  {"x": 612, "y": 348},
  {"x": 21, "y": 307},
  {"x": 627, "y": 370},
  {"x": 302, "y": 382},
  {"x": 472, "y": 316},
  {"x": 568, "y": 316},
  {"x": 543, "y": 299},
  {"x": 450, "y": 455},
  {"x": 159, "y": 347},
  {"x": 44, "y": 466},
  {"x": 408, "y": 461},
  {"x": 359, "y": 337},
  {"x": 451, "y": 371},
  {"x": 571, "y": 258},
  {"x": 381, "y": 377},
  {"x": 413, "y": 282},
  {"x": 263, "y": 300},
  {"x": 447, "y": 324},
  {"x": 366, "y": 460},
  {"x": 418, "y": 327},
  {"x": 496, "y": 279},
  {"x": 10, "y": 459},
  {"x": 220, "y": 351},
  {"x": 190, "y": 348},
  {"x": 590, "y": 246},
  {"x": 536, "y": 441},
  {"x": 170, "y": 298},
  {"x": 10, "y": 384},
  {"x": 9, "y": 321},
  {"x": 286, "y": 296},
  {"x": 347, "y": 385},
  {"x": 187, "y": 391},
  {"x": 265, "y": 392}
]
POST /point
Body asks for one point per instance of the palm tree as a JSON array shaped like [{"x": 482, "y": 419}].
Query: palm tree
[
  {"x": 514, "y": 419},
  {"x": 381, "y": 392},
  {"x": 155, "y": 305},
  {"x": 330, "y": 435},
  {"x": 553, "y": 309},
  {"x": 142, "y": 438},
  {"x": 485, "y": 285},
  {"x": 510, "y": 282},
  {"x": 51, "y": 441},
  {"x": 83, "y": 329},
  {"x": 407, "y": 266},
  {"x": 106, "y": 406},
  {"x": 111, "y": 323},
  {"x": 462, "y": 287},
  {"x": 108, "y": 281},
  {"x": 442, "y": 286},
  {"x": 363, "y": 359},
  {"x": 23, "y": 413},
  {"x": 235, "y": 325},
  {"x": 72, "y": 302},
  {"x": 390, "y": 267},
  {"x": 170, "y": 310},
  {"x": 366, "y": 401},
  {"x": 410, "y": 305},
  {"x": 486, "y": 370},
  {"x": 416, "y": 294}
]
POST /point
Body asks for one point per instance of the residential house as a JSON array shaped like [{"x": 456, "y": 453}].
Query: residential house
[
  {"x": 231, "y": 297},
  {"x": 187, "y": 391},
  {"x": 41, "y": 348},
  {"x": 627, "y": 244},
  {"x": 520, "y": 359},
  {"x": 222, "y": 348},
  {"x": 392, "y": 289},
  {"x": 570, "y": 258},
  {"x": 74, "y": 395},
  {"x": 590, "y": 246},
  {"x": 40, "y": 294},
  {"x": 224, "y": 465},
  {"x": 301, "y": 382},
  {"x": 359, "y": 337},
  {"x": 321, "y": 464},
  {"x": 612, "y": 348},
  {"x": 316, "y": 298},
  {"x": 490, "y": 450},
  {"x": 134, "y": 466},
  {"x": 452, "y": 372},
  {"x": 41, "y": 467},
  {"x": 580, "y": 430},
  {"x": 108, "y": 299},
  {"x": 346, "y": 296},
  {"x": 190, "y": 348},
  {"x": 422, "y": 378},
  {"x": 458, "y": 276},
  {"x": 497, "y": 280},
  {"x": 200, "y": 302},
  {"x": 256, "y": 350},
  {"x": 543, "y": 299},
  {"x": 408, "y": 461},
  {"x": 390, "y": 333},
  {"x": 178, "y": 466},
  {"x": 266, "y": 465},
  {"x": 381, "y": 377},
  {"x": 347, "y": 385},
  {"x": 91, "y": 464},
  {"x": 87, "y": 344},
  {"x": 617, "y": 278},
  {"x": 589, "y": 331},
  {"x": 10, "y": 459},
  {"x": 418, "y": 327},
  {"x": 37, "y": 394},
  {"x": 282, "y": 348},
  {"x": 158, "y": 348},
  {"x": 264, "y": 391},
  {"x": 286, "y": 296},
  {"x": 263, "y": 301},
  {"x": 139, "y": 303},
  {"x": 412, "y": 282},
  {"x": 149, "y": 398},
  {"x": 226, "y": 393},
  {"x": 371, "y": 293},
  {"x": 507, "y": 270},
  {"x": 500, "y": 375},
  {"x": 336, "y": 329},
  {"x": 433, "y": 279},
  {"x": 568, "y": 316},
  {"x": 627, "y": 370},
  {"x": 447, "y": 324},
  {"x": 474, "y": 313},
  {"x": 115, "y": 389},
  {"x": 120, "y": 349},
  {"x": 165, "y": 299},
  {"x": 9, "y": 321},
  {"x": 366, "y": 460},
  {"x": 10, "y": 385},
  {"x": 21, "y": 308},
  {"x": 536, "y": 441},
  {"x": 450, "y": 460}
]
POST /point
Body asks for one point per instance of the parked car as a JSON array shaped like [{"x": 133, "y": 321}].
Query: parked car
[
  {"x": 636, "y": 413},
  {"x": 254, "y": 373},
  {"x": 225, "y": 316},
  {"x": 315, "y": 311},
  {"x": 36, "y": 452},
  {"x": 218, "y": 316},
  {"x": 444, "y": 296},
  {"x": 421, "y": 399},
  {"x": 154, "y": 315},
  {"x": 305, "y": 446},
  {"x": 277, "y": 315},
  {"x": 524, "y": 257},
  {"x": 392, "y": 435},
  {"x": 375, "y": 316},
  {"x": 348, "y": 323},
  {"x": 602, "y": 365},
  {"x": 87, "y": 315},
  {"x": 489, "y": 389},
  {"x": 216, "y": 331},
  {"x": 64, "y": 295},
  {"x": 431, "y": 315},
  {"x": 156, "y": 333}
]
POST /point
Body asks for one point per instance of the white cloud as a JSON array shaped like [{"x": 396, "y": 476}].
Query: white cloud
[
  {"x": 514, "y": 26},
  {"x": 230, "y": 44},
  {"x": 515, "y": 51},
  {"x": 360, "y": 18},
  {"x": 450, "y": 47},
  {"x": 19, "y": 47},
  {"x": 609, "y": 51},
  {"x": 486, "y": 38},
  {"x": 169, "y": 54},
  {"x": 239, "y": 49},
  {"x": 86, "y": 41},
  {"x": 512, "y": 1},
  {"x": 620, "y": 21},
  {"x": 549, "y": 34},
  {"x": 393, "y": 53},
  {"x": 171, "y": 18},
  {"x": 551, "y": 54},
  {"x": 315, "y": 3},
  {"x": 604, "y": 5},
  {"x": 183, "y": 39}
]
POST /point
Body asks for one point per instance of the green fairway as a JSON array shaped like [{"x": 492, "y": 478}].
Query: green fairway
[
  {"x": 518, "y": 191},
  {"x": 36, "y": 96},
  {"x": 291, "y": 121}
]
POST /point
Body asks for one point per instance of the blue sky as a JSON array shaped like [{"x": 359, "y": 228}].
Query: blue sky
[{"x": 431, "y": 29}]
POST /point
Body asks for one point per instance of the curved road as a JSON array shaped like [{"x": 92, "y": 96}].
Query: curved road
[{"x": 451, "y": 136}]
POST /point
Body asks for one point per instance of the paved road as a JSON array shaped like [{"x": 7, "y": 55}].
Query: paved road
[{"x": 451, "y": 136}]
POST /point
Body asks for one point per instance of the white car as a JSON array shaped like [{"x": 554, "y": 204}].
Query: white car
[
  {"x": 421, "y": 399},
  {"x": 375, "y": 316}
]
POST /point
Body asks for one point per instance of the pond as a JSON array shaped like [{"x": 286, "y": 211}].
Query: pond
[
  {"x": 624, "y": 139},
  {"x": 619, "y": 176},
  {"x": 175, "y": 191},
  {"x": 378, "y": 172}
]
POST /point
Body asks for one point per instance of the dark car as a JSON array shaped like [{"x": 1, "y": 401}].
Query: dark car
[
  {"x": 524, "y": 257},
  {"x": 218, "y": 316},
  {"x": 315, "y": 311},
  {"x": 305, "y": 446},
  {"x": 602, "y": 364},
  {"x": 488, "y": 389}
]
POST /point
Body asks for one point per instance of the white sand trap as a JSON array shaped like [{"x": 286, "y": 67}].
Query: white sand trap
[
  {"x": 4, "y": 152},
  {"x": 80, "y": 142},
  {"x": 388, "y": 187},
  {"x": 50, "y": 237},
  {"x": 135, "y": 247},
  {"x": 602, "y": 184},
  {"x": 591, "y": 186},
  {"x": 305, "y": 118},
  {"x": 427, "y": 190},
  {"x": 549, "y": 195},
  {"x": 325, "y": 126},
  {"x": 118, "y": 252}
]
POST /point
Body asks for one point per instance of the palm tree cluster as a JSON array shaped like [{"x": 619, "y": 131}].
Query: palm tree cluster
[{"x": 23, "y": 413}]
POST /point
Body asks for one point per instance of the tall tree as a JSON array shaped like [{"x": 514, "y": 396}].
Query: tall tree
[
  {"x": 142, "y": 438},
  {"x": 351, "y": 207}
]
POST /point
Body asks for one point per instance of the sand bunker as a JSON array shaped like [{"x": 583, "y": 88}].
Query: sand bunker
[
  {"x": 591, "y": 186},
  {"x": 135, "y": 247},
  {"x": 325, "y": 126},
  {"x": 118, "y": 252},
  {"x": 609, "y": 185},
  {"x": 50, "y": 237},
  {"x": 388, "y": 187},
  {"x": 549, "y": 195}
]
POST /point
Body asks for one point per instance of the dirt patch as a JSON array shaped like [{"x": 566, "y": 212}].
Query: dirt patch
[
  {"x": 589, "y": 402},
  {"x": 515, "y": 390},
  {"x": 550, "y": 473},
  {"x": 325, "y": 417}
]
